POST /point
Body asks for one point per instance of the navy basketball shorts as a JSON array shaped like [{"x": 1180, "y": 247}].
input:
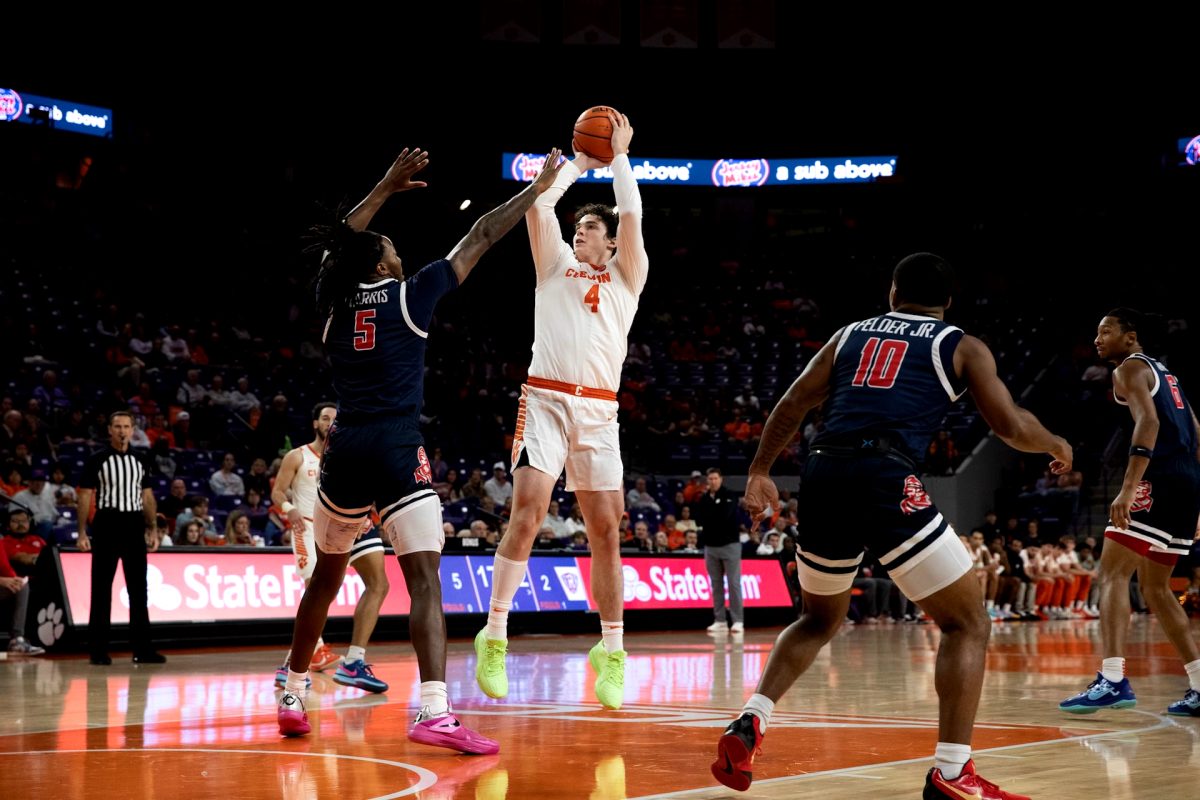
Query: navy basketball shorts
[
  {"x": 856, "y": 502},
  {"x": 1163, "y": 517},
  {"x": 375, "y": 464}
]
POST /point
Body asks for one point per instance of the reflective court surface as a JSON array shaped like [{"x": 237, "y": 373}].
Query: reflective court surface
[{"x": 862, "y": 722}]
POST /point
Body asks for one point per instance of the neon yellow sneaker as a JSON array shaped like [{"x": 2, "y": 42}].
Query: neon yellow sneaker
[
  {"x": 610, "y": 676},
  {"x": 490, "y": 673}
]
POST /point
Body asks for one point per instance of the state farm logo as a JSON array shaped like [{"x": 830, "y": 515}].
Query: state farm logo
[
  {"x": 159, "y": 593},
  {"x": 635, "y": 587}
]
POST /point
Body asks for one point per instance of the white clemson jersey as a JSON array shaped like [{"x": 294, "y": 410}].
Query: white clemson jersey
[
  {"x": 304, "y": 485},
  {"x": 583, "y": 312}
]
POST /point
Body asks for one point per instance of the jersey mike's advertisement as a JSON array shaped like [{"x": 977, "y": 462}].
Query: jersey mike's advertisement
[{"x": 204, "y": 586}]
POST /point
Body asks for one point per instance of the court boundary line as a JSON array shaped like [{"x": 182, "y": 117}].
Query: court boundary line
[
  {"x": 426, "y": 778},
  {"x": 1162, "y": 722}
]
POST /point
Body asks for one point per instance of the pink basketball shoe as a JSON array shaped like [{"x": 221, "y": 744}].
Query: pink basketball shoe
[
  {"x": 447, "y": 731},
  {"x": 293, "y": 721}
]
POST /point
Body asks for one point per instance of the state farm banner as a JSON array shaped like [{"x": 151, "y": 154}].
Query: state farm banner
[{"x": 210, "y": 584}]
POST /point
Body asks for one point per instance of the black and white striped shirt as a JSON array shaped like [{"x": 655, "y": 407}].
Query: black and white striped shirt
[{"x": 117, "y": 478}]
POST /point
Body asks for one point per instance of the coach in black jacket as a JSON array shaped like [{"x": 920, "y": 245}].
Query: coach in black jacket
[{"x": 716, "y": 515}]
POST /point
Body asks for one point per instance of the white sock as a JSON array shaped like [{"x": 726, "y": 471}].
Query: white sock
[
  {"x": 354, "y": 653},
  {"x": 434, "y": 698},
  {"x": 1193, "y": 671},
  {"x": 1113, "y": 669},
  {"x": 990, "y": 604},
  {"x": 760, "y": 706},
  {"x": 297, "y": 682},
  {"x": 950, "y": 759},
  {"x": 613, "y": 634},
  {"x": 507, "y": 576}
]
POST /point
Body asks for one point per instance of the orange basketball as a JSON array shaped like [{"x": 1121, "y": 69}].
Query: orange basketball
[{"x": 593, "y": 133}]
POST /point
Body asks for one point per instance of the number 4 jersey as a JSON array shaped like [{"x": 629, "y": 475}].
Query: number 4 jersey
[
  {"x": 583, "y": 312},
  {"x": 376, "y": 345},
  {"x": 893, "y": 376}
]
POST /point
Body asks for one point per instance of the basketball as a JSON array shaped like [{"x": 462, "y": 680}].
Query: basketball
[{"x": 593, "y": 133}]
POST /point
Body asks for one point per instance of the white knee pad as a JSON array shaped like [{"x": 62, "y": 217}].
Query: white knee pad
[
  {"x": 416, "y": 527},
  {"x": 336, "y": 534}
]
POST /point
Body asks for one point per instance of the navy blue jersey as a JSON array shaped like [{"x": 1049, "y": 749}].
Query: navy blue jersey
[
  {"x": 376, "y": 344},
  {"x": 893, "y": 377},
  {"x": 1176, "y": 432}
]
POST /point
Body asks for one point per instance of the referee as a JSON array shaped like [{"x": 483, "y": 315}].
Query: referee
[{"x": 125, "y": 509}]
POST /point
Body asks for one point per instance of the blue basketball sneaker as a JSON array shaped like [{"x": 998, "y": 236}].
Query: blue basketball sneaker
[
  {"x": 281, "y": 678},
  {"x": 1100, "y": 693},
  {"x": 1189, "y": 706},
  {"x": 359, "y": 675}
]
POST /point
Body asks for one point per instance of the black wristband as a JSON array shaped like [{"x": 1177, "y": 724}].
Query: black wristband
[{"x": 1145, "y": 452}]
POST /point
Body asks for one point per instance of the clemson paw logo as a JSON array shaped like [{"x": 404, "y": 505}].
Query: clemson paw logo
[{"x": 50, "y": 627}]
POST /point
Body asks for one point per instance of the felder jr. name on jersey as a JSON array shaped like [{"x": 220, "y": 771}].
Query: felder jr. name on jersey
[{"x": 895, "y": 326}]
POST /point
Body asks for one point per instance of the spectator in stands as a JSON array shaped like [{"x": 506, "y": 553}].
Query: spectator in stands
[
  {"x": 258, "y": 477},
  {"x": 199, "y": 512},
  {"x": 716, "y": 516},
  {"x": 498, "y": 488},
  {"x": 40, "y": 503},
  {"x": 751, "y": 543},
  {"x": 11, "y": 431},
  {"x": 574, "y": 522},
  {"x": 474, "y": 487},
  {"x": 771, "y": 546},
  {"x": 176, "y": 501},
  {"x": 990, "y": 525},
  {"x": 554, "y": 522},
  {"x": 641, "y": 537},
  {"x": 12, "y": 482},
  {"x": 160, "y": 455},
  {"x": 447, "y": 487},
  {"x": 691, "y": 543},
  {"x": 218, "y": 395},
  {"x": 546, "y": 540},
  {"x": 579, "y": 541},
  {"x": 191, "y": 394},
  {"x": 942, "y": 455},
  {"x": 14, "y": 601},
  {"x": 747, "y": 401},
  {"x": 639, "y": 497},
  {"x": 190, "y": 535},
  {"x": 237, "y": 530},
  {"x": 438, "y": 465},
  {"x": 694, "y": 488},
  {"x": 62, "y": 492},
  {"x": 162, "y": 533},
  {"x": 241, "y": 400},
  {"x": 20, "y": 545},
  {"x": 54, "y": 401},
  {"x": 175, "y": 347},
  {"x": 160, "y": 430},
  {"x": 139, "y": 438},
  {"x": 258, "y": 512},
  {"x": 182, "y": 431},
  {"x": 685, "y": 522},
  {"x": 225, "y": 482}
]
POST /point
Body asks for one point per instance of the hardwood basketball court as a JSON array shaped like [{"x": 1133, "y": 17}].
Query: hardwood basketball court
[{"x": 861, "y": 723}]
